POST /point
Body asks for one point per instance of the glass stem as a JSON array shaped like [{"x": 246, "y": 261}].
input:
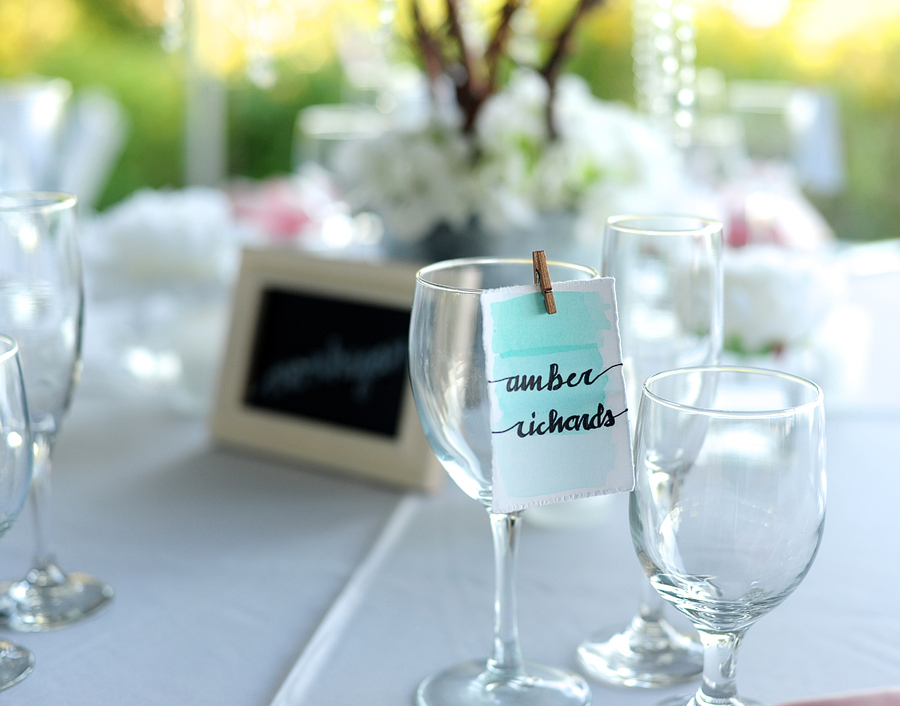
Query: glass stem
[
  {"x": 506, "y": 658},
  {"x": 652, "y": 604},
  {"x": 40, "y": 502},
  {"x": 719, "y": 661}
]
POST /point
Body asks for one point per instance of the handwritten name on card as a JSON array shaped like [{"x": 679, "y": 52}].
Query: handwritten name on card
[{"x": 557, "y": 395}]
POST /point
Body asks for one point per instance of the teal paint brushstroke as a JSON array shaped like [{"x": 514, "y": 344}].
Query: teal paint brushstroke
[
  {"x": 515, "y": 322},
  {"x": 546, "y": 350}
]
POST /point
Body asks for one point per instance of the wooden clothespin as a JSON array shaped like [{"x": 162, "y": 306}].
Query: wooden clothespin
[{"x": 542, "y": 279}]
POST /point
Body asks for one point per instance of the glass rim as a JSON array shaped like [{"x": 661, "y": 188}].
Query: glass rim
[
  {"x": 474, "y": 261},
  {"x": 9, "y": 347},
  {"x": 816, "y": 400},
  {"x": 36, "y": 201},
  {"x": 709, "y": 225}
]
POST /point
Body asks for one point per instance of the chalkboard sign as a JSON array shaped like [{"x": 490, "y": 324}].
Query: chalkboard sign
[
  {"x": 331, "y": 360},
  {"x": 316, "y": 367}
]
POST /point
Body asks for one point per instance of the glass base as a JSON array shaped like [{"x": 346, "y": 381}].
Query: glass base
[
  {"x": 647, "y": 654},
  {"x": 47, "y": 599},
  {"x": 16, "y": 663},
  {"x": 692, "y": 700},
  {"x": 470, "y": 684}
]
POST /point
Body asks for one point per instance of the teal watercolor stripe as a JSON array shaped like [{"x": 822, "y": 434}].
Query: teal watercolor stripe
[
  {"x": 547, "y": 350},
  {"x": 520, "y": 325}
]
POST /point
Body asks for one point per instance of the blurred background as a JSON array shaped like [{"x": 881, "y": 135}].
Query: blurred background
[
  {"x": 192, "y": 128},
  {"x": 254, "y": 64}
]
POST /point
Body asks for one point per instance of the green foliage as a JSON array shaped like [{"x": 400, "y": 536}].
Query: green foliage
[
  {"x": 261, "y": 122},
  {"x": 869, "y": 208},
  {"x": 145, "y": 80},
  {"x": 606, "y": 68}
]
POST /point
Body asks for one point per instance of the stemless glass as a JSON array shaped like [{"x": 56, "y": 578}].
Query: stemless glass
[
  {"x": 15, "y": 477},
  {"x": 41, "y": 305},
  {"x": 729, "y": 501},
  {"x": 668, "y": 272},
  {"x": 447, "y": 371}
]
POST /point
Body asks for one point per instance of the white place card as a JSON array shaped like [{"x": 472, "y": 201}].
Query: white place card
[{"x": 557, "y": 395}]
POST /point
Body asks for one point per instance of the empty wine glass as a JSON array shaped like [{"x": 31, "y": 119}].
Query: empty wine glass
[
  {"x": 729, "y": 501},
  {"x": 668, "y": 274},
  {"x": 41, "y": 306},
  {"x": 447, "y": 371},
  {"x": 15, "y": 477}
]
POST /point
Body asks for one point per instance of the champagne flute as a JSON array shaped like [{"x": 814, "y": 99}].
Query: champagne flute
[
  {"x": 668, "y": 274},
  {"x": 41, "y": 305},
  {"x": 15, "y": 477},
  {"x": 447, "y": 371},
  {"x": 727, "y": 525}
]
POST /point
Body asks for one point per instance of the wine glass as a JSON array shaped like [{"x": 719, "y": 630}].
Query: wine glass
[
  {"x": 729, "y": 501},
  {"x": 15, "y": 477},
  {"x": 41, "y": 305},
  {"x": 447, "y": 371},
  {"x": 668, "y": 274}
]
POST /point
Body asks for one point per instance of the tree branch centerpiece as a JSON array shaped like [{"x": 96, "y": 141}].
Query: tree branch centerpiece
[
  {"x": 505, "y": 143},
  {"x": 475, "y": 79}
]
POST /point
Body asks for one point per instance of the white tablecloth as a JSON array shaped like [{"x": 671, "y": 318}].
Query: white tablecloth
[
  {"x": 430, "y": 605},
  {"x": 223, "y": 564},
  {"x": 228, "y": 568}
]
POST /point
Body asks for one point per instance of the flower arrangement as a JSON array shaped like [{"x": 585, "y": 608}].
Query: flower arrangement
[
  {"x": 498, "y": 155},
  {"x": 780, "y": 277}
]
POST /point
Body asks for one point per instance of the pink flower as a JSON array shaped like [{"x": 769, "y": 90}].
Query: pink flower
[{"x": 275, "y": 206}]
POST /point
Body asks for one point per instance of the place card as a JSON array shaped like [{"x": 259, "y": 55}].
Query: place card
[{"x": 557, "y": 395}]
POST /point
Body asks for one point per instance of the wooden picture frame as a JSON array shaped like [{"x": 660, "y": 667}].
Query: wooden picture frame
[{"x": 316, "y": 368}]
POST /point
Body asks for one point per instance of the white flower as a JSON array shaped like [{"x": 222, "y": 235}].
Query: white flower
[
  {"x": 157, "y": 234},
  {"x": 514, "y": 118},
  {"x": 775, "y": 297},
  {"x": 509, "y": 171},
  {"x": 416, "y": 179}
]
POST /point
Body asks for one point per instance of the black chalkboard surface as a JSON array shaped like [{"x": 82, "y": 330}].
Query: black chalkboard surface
[
  {"x": 330, "y": 360},
  {"x": 316, "y": 368}
]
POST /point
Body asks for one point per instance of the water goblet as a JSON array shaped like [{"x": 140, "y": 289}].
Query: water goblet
[
  {"x": 448, "y": 376},
  {"x": 41, "y": 306},
  {"x": 668, "y": 276},
  {"x": 15, "y": 477},
  {"x": 729, "y": 501}
]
